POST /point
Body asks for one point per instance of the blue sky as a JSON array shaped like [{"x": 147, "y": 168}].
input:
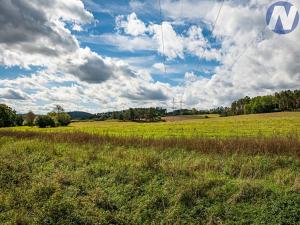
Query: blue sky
[
  {"x": 99, "y": 55},
  {"x": 106, "y": 12}
]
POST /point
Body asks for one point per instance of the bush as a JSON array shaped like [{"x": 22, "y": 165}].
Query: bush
[
  {"x": 63, "y": 119},
  {"x": 8, "y": 116},
  {"x": 44, "y": 121}
]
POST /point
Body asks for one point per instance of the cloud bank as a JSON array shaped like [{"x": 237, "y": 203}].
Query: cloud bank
[{"x": 246, "y": 57}]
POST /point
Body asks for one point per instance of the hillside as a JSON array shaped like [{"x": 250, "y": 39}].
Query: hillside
[{"x": 78, "y": 115}]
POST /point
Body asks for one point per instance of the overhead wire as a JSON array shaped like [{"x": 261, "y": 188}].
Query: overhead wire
[
  {"x": 218, "y": 15},
  {"x": 162, "y": 37},
  {"x": 213, "y": 26}
]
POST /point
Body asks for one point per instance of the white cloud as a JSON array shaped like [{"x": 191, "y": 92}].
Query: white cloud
[
  {"x": 11, "y": 94},
  {"x": 77, "y": 27},
  {"x": 162, "y": 37},
  {"x": 159, "y": 66},
  {"x": 81, "y": 79},
  {"x": 132, "y": 25},
  {"x": 125, "y": 43},
  {"x": 170, "y": 43},
  {"x": 249, "y": 66},
  {"x": 72, "y": 75}
]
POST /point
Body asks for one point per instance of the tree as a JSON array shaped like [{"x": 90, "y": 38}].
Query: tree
[
  {"x": 44, "y": 121},
  {"x": 63, "y": 119},
  {"x": 60, "y": 117},
  {"x": 19, "y": 120},
  {"x": 59, "y": 109},
  {"x": 151, "y": 114},
  {"x": 8, "y": 116},
  {"x": 194, "y": 111},
  {"x": 120, "y": 116},
  {"x": 29, "y": 119},
  {"x": 131, "y": 114}
]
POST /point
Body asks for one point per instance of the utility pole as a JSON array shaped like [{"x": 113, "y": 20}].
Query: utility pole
[
  {"x": 173, "y": 106},
  {"x": 181, "y": 102}
]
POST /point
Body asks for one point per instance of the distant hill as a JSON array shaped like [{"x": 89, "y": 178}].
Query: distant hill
[{"x": 78, "y": 115}]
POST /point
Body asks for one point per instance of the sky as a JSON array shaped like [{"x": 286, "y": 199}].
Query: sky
[{"x": 103, "y": 55}]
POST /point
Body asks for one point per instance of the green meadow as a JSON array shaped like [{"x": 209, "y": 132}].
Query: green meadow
[
  {"x": 153, "y": 173},
  {"x": 199, "y": 126}
]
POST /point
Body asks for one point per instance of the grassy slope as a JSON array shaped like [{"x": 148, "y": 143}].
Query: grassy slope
[
  {"x": 57, "y": 183},
  {"x": 249, "y": 125}
]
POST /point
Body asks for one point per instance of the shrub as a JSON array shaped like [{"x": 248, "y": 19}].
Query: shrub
[{"x": 44, "y": 121}]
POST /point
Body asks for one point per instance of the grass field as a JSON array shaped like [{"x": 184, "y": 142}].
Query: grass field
[
  {"x": 160, "y": 173},
  {"x": 249, "y": 125}
]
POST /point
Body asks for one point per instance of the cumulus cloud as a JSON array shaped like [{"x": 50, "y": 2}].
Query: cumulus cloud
[
  {"x": 125, "y": 43},
  {"x": 159, "y": 66},
  {"x": 162, "y": 37},
  {"x": 35, "y": 33},
  {"x": 11, "y": 94},
  {"x": 255, "y": 61},
  {"x": 132, "y": 25},
  {"x": 146, "y": 94},
  {"x": 251, "y": 59}
]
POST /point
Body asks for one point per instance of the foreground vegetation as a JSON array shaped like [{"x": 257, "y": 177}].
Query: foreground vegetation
[
  {"x": 198, "y": 170},
  {"x": 69, "y": 182}
]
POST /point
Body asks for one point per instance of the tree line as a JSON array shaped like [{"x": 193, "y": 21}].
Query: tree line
[
  {"x": 134, "y": 114},
  {"x": 279, "y": 102},
  {"x": 55, "y": 118}
]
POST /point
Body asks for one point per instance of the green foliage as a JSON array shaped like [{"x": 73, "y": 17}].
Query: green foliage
[
  {"x": 135, "y": 114},
  {"x": 19, "y": 120},
  {"x": 29, "y": 119},
  {"x": 60, "y": 117},
  {"x": 282, "y": 101},
  {"x": 8, "y": 116},
  {"x": 63, "y": 119},
  {"x": 44, "y": 121}
]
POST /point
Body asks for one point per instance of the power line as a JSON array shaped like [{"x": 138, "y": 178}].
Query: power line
[
  {"x": 162, "y": 36},
  {"x": 216, "y": 20},
  {"x": 214, "y": 25},
  {"x": 174, "y": 104},
  {"x": 245, "y": 51}
]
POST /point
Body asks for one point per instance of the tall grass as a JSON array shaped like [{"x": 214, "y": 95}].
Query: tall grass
[
  {"x": 280, "y": 145},
  {"x": 85, "y": 175},
  {"x": 44, "y": 181}
]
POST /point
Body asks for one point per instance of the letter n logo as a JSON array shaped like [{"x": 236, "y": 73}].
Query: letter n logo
[{"x": 282, "y": 17}]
